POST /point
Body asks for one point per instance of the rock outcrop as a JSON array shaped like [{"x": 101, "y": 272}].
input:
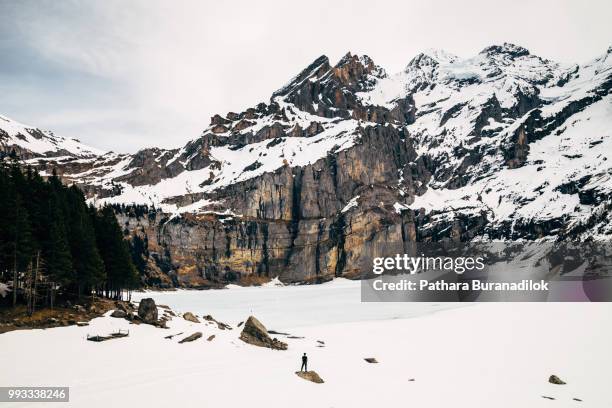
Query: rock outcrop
[
  {"x": 310, "y": 376},
  {"x": 191, "y": 317},
  {"x": 256, "y": 334},
  {"x": 147, "y": 311},
  {"x": 553, "y": 379}
]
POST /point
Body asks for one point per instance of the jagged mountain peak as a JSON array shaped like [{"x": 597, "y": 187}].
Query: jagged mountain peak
[
  {"x": 506, "y": 48},
  {"x": 508, "y": 71},
  {"x": 441, "y": 55},
  {"x": 361, "y": 64},
  {"x": 319, "y": 89},
  {"x": 331, "y": 92},
  {"x": 314, "y": 70},
  {"x": 431, "y": 57},
  {"x": 346, "y": 58},
  {"x": 420, "y": 61},
  {"x": 352, "y": 70}
]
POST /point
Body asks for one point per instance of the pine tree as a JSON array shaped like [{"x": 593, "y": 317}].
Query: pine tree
[
  {"x": 81, "y": 248},
  {"x": 15, "y": 238},
  {"x": 86, "y": 260},
  {"x": 23, "y": 237},
  {"x": 120, "y": 271},
  {"x": 140, "y": 252},
  {"x": 58, "y": 256},
  {"x": 36, "y": 202},
  {"x": 6, "y": 226}
]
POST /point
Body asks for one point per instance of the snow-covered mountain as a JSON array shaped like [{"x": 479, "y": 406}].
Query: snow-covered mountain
[
  {"x": 503, "y": 145},
  {"x": 28, "y": 142},
  {"x": 512, "y": 135}
]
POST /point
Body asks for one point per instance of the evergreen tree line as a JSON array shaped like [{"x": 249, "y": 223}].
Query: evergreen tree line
[
  {"x": 137, "y": 211},
  {"x": 48, "y": 227}
]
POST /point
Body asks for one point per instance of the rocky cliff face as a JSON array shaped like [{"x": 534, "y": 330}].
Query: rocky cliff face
[{"x": 346, "y": 162}]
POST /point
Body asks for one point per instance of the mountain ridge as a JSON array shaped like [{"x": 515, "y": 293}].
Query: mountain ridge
[{"x": 503, "y": 145}]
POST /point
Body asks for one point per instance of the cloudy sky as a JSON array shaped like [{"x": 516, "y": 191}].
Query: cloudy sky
[{"x": 120, "y": 75}]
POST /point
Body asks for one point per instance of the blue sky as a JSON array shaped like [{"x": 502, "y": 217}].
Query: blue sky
[{"x": 122, "y": 75}]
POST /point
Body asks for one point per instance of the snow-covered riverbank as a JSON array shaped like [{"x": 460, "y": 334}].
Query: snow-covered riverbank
[{"x": 483, "y": 355}]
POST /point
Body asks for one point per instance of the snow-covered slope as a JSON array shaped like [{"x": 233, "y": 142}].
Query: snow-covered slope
[
  {"x": 230, "y": 164},
  {"x": 513, "y": 136},
  {"x": 29, "y": 141}
]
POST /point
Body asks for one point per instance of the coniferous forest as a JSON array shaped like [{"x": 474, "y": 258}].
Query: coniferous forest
[{"x": 52, "y": 244}]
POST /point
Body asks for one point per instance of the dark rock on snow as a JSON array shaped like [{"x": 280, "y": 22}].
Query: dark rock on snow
[
  {"x": 147, "y": 311},
  {"x": 119, "y": 314},
  {"x": 220, "y": 325},
  {"x": 191, "y": 317},
  {"x": 310, "y": 376},
  {"x": 553, "y": 379},
  {"x": 192, "y": 337},
  {"x": 256, "y": 334}
]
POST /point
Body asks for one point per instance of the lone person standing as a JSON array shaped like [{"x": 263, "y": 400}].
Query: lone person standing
[{"x": 304, "y": 363}]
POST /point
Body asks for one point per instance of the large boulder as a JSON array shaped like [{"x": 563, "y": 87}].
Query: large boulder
[
  {"x": 191, "y": 317},
  {"x": 147, "y": 311},
  {"x": 119, "y": 314},
  {"x": 310, "y": 376},
  {"x": 553, "y": 379},
  {"x": 255, "y": 333}
]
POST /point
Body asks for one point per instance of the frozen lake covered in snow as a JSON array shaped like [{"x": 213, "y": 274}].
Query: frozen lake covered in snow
[
  {"x": 281, "y": 307},
  {"x": 482, "y": 355}
]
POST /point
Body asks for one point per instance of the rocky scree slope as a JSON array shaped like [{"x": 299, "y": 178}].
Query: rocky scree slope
[{"x": 346, "y": 162}]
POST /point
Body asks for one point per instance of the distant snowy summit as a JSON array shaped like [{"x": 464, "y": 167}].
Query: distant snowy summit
[
  {"x": 503, "y": 145},
  {"x": 28, "y": 142}
]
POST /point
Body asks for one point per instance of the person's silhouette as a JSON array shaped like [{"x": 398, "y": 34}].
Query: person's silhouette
[{"x": 304, "y": 363}]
